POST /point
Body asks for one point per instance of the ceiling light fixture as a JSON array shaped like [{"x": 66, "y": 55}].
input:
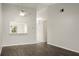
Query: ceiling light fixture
[
  {"x": 62, "y": 10},
  {"x": 22, "y": 12}
]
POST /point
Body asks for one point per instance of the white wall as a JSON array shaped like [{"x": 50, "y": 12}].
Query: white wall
[
  {"x": 10, "y": 13},
  {"x": 0, "y": 27},
  {"x": 63, "y": 28}
]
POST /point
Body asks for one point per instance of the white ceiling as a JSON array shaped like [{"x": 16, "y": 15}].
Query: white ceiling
[{"x": 33, "y": 5}]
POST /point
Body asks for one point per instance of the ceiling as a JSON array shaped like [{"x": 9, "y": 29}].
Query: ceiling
[{"x": 33, "y": 5}]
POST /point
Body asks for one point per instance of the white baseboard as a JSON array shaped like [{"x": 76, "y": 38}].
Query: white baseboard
[
  {"x": 18, "y": 44},
  {"x": 40, "y": 41},
  {"x": 3, "y": 45},
  {"x": 63, "y": 47}
]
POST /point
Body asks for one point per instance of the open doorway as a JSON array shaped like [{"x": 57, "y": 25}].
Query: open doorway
[{"x": 41, "y": 30}]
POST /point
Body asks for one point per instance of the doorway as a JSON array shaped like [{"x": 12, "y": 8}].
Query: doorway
[{"x": 41, "y": 30}]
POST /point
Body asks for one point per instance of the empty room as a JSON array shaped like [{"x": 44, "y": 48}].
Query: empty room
[{"x": 39, "y": 29}]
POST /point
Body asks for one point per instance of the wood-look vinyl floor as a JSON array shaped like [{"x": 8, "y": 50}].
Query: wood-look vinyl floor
[{"x": 41, "y": 49}]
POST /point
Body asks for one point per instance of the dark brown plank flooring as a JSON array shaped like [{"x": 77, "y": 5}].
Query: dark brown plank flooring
[{"x": 41, "y": 49}]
